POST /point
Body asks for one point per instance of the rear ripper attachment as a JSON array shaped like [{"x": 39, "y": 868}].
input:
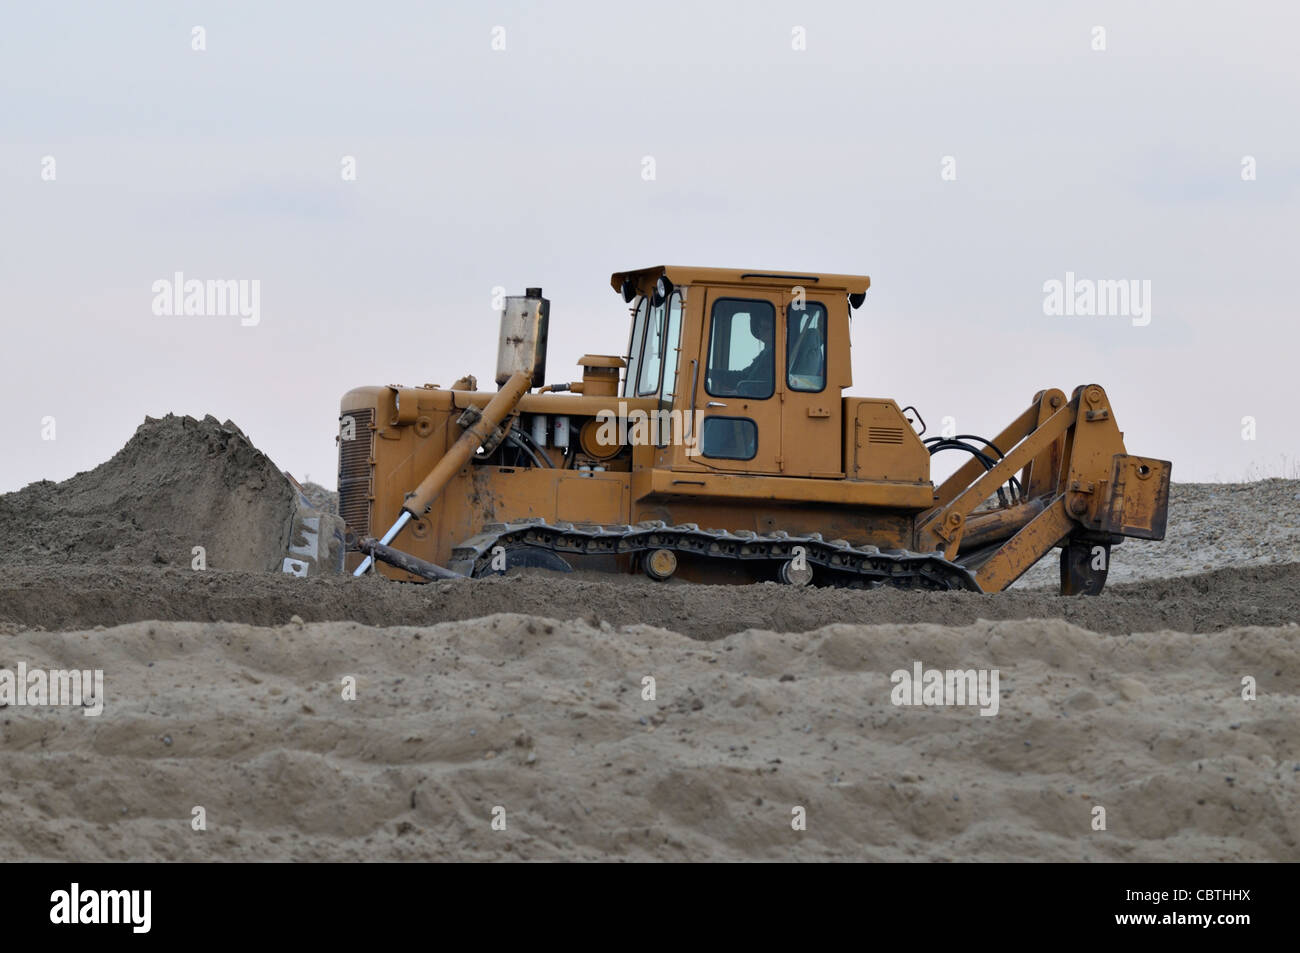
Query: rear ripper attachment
[{"x": 728, "y": 409}]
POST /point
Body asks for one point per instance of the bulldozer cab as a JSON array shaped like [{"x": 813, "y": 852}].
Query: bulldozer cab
[{"x": 757, "y": 364}]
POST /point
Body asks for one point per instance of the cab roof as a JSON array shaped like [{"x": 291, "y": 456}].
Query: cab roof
[{"x": 642, "y": 278}]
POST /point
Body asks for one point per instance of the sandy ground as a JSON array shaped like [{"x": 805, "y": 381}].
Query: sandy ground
[
  {"x": 548, "y": 722},
  {"x": 526, "y": 693},
  {"x": 545, "y": 719}
]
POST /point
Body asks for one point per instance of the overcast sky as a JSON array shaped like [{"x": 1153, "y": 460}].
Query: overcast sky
[{"x": 479, "y": 167}]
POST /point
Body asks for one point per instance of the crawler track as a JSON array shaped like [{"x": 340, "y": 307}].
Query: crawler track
[{"x": 835, "y": 562}]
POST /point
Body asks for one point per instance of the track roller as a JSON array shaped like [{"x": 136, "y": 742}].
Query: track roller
[
  {"x": 793, "y": 575},
  {"x": 660, "y": 564}
]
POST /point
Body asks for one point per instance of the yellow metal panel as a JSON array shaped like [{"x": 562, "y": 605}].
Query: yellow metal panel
[
  {"x": 1139, "y": 503},
  {"x": 599, "y": 498},
  {"x": 879, "y": 443},
  {"x": 904, "y": 496}
]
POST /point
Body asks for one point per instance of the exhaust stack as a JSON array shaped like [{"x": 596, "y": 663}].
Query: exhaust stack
[{"x": 522, "y": 347}]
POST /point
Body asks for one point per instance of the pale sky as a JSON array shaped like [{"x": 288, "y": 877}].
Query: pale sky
[{"x": 478, "y": 168}]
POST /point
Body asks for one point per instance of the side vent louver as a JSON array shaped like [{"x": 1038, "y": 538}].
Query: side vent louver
[
  {"x": 356, "y": 481},
  {"x": 885, "y": 435}
]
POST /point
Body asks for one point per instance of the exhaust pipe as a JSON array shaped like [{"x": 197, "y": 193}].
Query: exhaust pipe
[{"x": 525, "y": 322}]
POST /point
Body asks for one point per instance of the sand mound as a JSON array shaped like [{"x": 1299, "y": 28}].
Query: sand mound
[
  {"x": 1211, "y": 526},
  {"x": 177, "y": 483},
  {"x": 547, "y": 720}
]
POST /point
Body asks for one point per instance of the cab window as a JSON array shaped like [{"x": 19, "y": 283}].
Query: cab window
[
  {"x": 672, "y": 346},
  {"x": 671, "y": 363},
  {"x": 652, "y": 352},
  {"x": 729, "y": 438},
  {"x": 634, "y": 348},
  {"x": 742, "y": 349},
  {"x": 805, "y": 343}
]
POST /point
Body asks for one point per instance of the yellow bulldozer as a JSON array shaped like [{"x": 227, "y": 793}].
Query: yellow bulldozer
[{"x": 722, "y": 446}]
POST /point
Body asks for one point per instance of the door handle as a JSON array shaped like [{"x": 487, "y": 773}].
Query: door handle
[
  {"x": 715, "y": 403},
  {"x": 695, "y": 377}
]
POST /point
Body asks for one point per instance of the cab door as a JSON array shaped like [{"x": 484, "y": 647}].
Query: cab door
[
  {"x": 811, "y": 411},
  {"x": 738, "y": 396}
]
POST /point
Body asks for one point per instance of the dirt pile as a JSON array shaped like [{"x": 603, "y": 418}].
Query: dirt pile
[
  {"x": 550, "y": 723},
  {"x": 178, "y": 483},
  {"x": 1211, "y": 526},
  {"x": 320, "y": 498}
]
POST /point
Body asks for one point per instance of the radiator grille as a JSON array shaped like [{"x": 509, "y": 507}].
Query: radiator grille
[
  {"x": 356, "y": 473},
  {"x": 884, "y": 435}
]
